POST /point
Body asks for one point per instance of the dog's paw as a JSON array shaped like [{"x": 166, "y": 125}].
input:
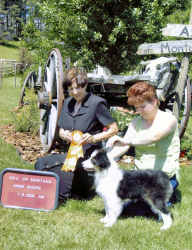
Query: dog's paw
[
  {"x": 104, "y": 219},
  {"x": 167, "y": 221},
  {"x": 165, "y": 227},
  {"x": 108, "y": 224}
]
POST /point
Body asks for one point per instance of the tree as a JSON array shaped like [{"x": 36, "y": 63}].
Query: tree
[
  {"x": 12, "y": 16},
  {"x": 104, "y": 32}
]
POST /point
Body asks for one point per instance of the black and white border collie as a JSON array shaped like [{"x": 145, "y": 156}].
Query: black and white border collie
[{"x": 114, "y": 185}]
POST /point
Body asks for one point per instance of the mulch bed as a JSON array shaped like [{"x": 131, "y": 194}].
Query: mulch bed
[{"x": 29, "y": 147}]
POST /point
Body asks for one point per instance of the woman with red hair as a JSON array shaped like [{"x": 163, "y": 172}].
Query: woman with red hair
[{"x": 153, "y": 133}]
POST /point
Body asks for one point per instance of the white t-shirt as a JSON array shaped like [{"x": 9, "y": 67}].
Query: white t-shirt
[{"x": 152, "y": 153}]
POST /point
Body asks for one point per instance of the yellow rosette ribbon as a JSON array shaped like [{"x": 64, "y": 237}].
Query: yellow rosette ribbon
[{"x": 74, "y": 153}]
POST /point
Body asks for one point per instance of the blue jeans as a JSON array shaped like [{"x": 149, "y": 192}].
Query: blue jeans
[{"x": 174, "y": 184}]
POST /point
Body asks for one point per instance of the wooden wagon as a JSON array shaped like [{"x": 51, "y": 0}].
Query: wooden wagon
[{"x": 169, "y": 75}]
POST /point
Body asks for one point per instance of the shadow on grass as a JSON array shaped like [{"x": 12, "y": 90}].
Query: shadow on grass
[
  {"x": 138, "y": 208},
  {"x": 141, "y": 208},
  {"x": 8, "y": 45},
  {"x": 133, "y": 209},
  {"x": 88, "y": 197}
]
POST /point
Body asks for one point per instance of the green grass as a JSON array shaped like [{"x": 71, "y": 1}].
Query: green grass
[
  {"x": 10, "y": 51},
  {"x": 9, "y": 97},
  {"x": 76, "y": 225}
]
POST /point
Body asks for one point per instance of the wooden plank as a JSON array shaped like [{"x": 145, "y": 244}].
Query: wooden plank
[
  {"x": 178, "y": 30},
  {"x": 165, "y": 47}
]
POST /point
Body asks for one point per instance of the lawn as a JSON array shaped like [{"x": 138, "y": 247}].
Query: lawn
[
  {"x": 75, "y": 225},
  {"x": 10, "y": 51}
]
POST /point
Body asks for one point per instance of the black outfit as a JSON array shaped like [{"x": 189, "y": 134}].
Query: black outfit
[{"x": 92, "y": 117}]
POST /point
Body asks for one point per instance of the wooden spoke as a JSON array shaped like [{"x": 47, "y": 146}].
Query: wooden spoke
[
  {"x": 53, "y": 92},
  {"x": 29, "y": 83}
]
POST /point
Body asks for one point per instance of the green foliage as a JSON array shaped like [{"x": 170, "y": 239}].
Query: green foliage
[
  {"x": 37, "y": 42},
  {"x": 100, "y": 32},
  {"x": 186, "y": 141},
  {"x": 25, "y": 58},
  {"x": 180, "y": 16},
  {"x": 26, "y": 118},
  {"x": 12, "y": 13},
  {"x": 122, "y": 119}
]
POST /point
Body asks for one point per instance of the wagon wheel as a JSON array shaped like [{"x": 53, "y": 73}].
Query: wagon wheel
[
  {"x": 185, "y": 109},
  {"x": 29, "y": 83},
  {"x": 51, "y": 99},
  {"x": 180, "y": 101},
  {"x": 182, "y": 104}
]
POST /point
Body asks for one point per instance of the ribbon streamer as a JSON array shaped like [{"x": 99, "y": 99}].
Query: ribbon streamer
[{"x": 74, "y": 153}]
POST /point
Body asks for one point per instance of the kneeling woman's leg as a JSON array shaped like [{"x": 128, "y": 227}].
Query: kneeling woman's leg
[
  {"x": 53, "y": 163},
  {"x": 65, "y": 182},
  {"x": 77, "y": 183},
  {"x": 83, "y": 180},
  {"x": 174, "y": 183}
]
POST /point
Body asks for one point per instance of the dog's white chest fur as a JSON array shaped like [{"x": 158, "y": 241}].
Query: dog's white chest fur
[
  {"x": 107, "y": 181},
  {"x": 115, "y": 185}
]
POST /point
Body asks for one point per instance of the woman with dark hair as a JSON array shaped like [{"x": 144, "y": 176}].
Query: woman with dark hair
[
  {"x": 153, "y": 133},
  {"x": 81, "y": 127}
]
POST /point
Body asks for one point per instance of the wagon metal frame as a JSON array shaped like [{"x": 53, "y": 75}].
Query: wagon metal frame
[{"x": 112, "y": 87}]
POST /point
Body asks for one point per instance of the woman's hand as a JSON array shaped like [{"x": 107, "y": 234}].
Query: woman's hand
[
  {"x": 65, "y": 135},
  {"x": 112, "y": 141},
  {"x": 86, "y": 138},
  {"x": 116, "y": 147}
]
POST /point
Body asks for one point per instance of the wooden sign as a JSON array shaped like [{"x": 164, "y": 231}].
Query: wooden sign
[
  {"x": 27, "y": 189},
  {"x": 165, "y": 47},
  {"x": 178, "y": 30}
]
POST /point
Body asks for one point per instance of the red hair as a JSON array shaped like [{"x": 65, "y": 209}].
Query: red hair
[{"x": 141, "y": 92}]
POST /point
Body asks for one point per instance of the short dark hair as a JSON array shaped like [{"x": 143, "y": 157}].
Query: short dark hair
[{"x": 78, "y": 74}]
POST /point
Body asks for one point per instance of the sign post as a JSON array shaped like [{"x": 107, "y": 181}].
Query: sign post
[
  {"x": 178, "y": 30},
  {"x": 165, "y": 47},
  {"x": 173, "y": 47}
]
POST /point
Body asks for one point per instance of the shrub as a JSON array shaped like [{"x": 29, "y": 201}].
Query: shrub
[
  {"x": 26, "y": 118},
  {"x": 25, "y": 58},
  {"x": 122, "y": 119}
]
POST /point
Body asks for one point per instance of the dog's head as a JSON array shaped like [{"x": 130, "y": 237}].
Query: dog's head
[{"x": 98, "y": 161}]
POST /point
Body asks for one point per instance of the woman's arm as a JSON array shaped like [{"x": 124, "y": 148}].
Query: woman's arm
[
  {"x": 111, "y": 130},
  {"x": 120, "y": 145},
  {"x": 102, "y": 115},
  {"x": 133, "y": 138},
  {"x": 156, "y": 132},
  {"x": 118, "y": 150},
  {"x": 65, "y": 135}
]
